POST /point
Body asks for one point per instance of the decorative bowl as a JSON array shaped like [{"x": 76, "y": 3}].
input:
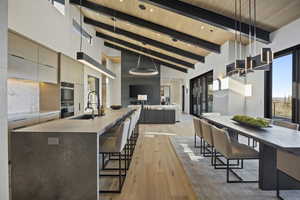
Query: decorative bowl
[{"x": 251, "y": 121}]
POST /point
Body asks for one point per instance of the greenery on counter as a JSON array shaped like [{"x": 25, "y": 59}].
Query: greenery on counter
[{"x": 251, "y": 121}]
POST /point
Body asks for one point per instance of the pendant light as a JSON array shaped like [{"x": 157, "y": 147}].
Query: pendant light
[
  {"x": 143, "y": 71},
  {"x": 248, "y": 60},
  {"x": 240, "y": 63},
  {"x": 89, "y": 61},
  {"x": 232, "y": 68}
]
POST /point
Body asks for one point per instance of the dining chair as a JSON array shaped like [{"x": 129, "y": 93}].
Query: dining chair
[
  {"x": 286, "y": 124},
  {"x": 208, "y": 142},
  {"x": 114, "y": 143},
  {"x": 198, "y": 133},
  {"x": 287, "y": 163},
  {"x": 232, "y": 151}
]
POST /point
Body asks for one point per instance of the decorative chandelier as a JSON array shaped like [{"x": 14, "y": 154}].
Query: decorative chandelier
[{"x": 143, "y": 71}]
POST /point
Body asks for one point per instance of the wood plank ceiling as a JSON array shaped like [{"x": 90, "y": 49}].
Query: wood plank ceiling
[{"x": 269, "y": 15}]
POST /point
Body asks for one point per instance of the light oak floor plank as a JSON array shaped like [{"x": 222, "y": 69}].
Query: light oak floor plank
[{"x": 156, "y": 172}]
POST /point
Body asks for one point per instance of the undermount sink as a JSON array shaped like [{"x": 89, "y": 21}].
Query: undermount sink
[{"x": 84, "y": 117}]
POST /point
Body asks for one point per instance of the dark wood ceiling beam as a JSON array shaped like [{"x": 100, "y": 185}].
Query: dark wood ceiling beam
[
  {"x": 208, "y": 17},
  {"x": 145, "y": 40},
  {"x": 110, "y": 45},
  {"x": 149, "y": 25},
  {"x": 145, "y": 50}
]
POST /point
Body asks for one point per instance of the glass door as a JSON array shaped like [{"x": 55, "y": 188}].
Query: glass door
[{"x": 201, "y": 94}]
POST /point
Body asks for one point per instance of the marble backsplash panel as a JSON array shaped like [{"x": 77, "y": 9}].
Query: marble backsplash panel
[{"x": 23, "y": 96}]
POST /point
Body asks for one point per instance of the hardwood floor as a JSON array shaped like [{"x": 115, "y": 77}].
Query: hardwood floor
[{"x": 156, "y": 172}]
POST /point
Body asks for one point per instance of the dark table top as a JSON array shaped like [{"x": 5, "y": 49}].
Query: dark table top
[{"x": 275, "y": 136}]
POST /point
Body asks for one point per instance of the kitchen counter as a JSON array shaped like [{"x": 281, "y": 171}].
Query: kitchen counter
[
  {"x": 60, "y": 159},
  {"x": 69, "y": 125}
]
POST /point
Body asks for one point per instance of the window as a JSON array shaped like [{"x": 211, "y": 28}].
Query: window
[
  {"x": 82, "y": 32},
  {"x": 282, "y": 99},
  {"x": 282, "y": 83},
  {"x": 59, "y": 5},
  {"x": 201, "y": 94}
]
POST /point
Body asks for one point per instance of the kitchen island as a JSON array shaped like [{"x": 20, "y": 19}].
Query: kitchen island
[{"x": 59, "y": 159}]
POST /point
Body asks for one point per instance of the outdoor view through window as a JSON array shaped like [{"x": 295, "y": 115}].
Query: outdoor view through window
[{"x": 282, "y": 87}]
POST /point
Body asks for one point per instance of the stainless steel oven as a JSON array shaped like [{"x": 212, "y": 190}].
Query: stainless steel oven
[{"x": 67, "y": 99}]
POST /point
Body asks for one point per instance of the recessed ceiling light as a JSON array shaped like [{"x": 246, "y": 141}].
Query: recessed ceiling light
[
  {"x": 202, "y": 27},
  {"x": 142, "y": 7},
  {"x": 121, "y": 0},
  {"x": 158, "y": 34},
  {"x": 151, "y": 9},
  {"x": 189, "y": 45},
  {"x": 127, "y": 24}
]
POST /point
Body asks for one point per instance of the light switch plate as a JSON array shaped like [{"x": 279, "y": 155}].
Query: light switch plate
[{"x": 53, "y": 141}]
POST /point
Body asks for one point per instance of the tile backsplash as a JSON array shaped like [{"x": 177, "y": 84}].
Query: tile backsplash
[{"x": 23, "y": 96}]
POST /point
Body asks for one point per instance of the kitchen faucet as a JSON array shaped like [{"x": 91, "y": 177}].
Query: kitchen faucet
[{"x": 89, "y": 104}]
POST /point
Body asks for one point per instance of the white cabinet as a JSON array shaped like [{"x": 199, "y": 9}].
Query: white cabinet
[
  {"x": 71, "y": 71},
  {"x": 30, "y": 61},
  {"x": 21, "y": 68},
  {"x": 47, "y": 74},
  {"x": 47, "y": 57},
  {"x": 22, "y": 47},
  {"x": 78, "y": 99}
]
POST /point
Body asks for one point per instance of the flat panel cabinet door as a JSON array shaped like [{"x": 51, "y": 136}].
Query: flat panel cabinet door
[
  {"x": 21, "y": 68},
  {"x": 71, "y": 71},
  {"x": 22, "y": 47},
  {"x": 47, "y": 57},
  {"x": 78, "y": 99},
  {"x": 47, "y": 74}
]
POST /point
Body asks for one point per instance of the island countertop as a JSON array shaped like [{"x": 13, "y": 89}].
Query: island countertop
[{"x": 69, "y": 125}]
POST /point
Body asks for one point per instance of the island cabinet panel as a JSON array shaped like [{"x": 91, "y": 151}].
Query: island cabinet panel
[
  {"x": 22, "y": 47},
  {"x": 71, "y": 70},
  {"x": 54, "y": 166}
]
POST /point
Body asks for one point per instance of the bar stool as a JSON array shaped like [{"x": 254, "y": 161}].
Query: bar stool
[
  {"x": 198, "y": 132},
  {"x": 114, "y": 143},
  {"x": 232, "y": 150},
  {"x": 287, "y": 163}
]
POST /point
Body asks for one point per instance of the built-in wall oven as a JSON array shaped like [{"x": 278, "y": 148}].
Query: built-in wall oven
[{"x": 67, "y": 99}]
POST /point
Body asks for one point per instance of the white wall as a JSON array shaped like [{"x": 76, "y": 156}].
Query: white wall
[
  {"x": 114, "y": 85},
  {"x": 287, "y": 36},
  {"x": 43, "y": 23},
  {"x": 4, "y": 194},
  {"x": 175, "y": 79}
]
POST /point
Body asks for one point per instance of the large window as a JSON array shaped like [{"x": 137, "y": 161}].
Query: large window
[
  {"x": 282, "y": 99},
  {"x": 201, "y": 94},
  {"x": 282, "y": 84}
]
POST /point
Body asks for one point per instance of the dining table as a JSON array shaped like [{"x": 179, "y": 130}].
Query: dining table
[{"x": 270, "y": 139}]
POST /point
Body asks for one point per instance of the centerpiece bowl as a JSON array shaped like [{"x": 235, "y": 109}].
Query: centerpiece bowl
[{"x": 251, "y": 121}]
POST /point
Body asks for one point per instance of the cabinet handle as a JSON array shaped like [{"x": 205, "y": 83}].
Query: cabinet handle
[{"x": 18, "y": 56}]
